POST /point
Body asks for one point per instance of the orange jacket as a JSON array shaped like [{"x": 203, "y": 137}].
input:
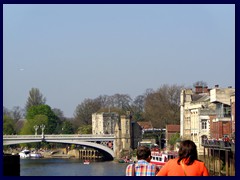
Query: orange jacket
[{"x": 172, "y": 168}]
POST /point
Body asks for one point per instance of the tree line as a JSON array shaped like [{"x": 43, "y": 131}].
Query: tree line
[{"x": 160, "y": 107}]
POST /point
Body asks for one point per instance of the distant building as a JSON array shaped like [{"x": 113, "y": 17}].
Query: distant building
[
  {"x": 172, "y": 129},
  {"x": 224, "y": 99},
  {"x": 127, "y": 132},
  {"x": 136, "y": 134},
  {"x": 206, "y": 113},
  {"x": 104, "y": 123}
]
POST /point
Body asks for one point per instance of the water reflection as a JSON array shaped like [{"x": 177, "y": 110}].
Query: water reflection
[{"x": 70, "y": 167}]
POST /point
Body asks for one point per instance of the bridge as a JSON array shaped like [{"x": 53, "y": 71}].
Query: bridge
[{"x": 105, "y": 143}]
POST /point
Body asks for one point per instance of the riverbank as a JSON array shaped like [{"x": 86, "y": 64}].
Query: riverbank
[{"x": 56, "y": 153}]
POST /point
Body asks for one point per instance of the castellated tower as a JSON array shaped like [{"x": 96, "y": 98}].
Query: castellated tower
[
  {"x": 125, "y": 131},
  {"x": 118, "y": 141}
]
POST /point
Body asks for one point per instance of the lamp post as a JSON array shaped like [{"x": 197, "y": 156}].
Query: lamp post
[
  {"x": 159, "y": 138},
  {"x": 42, "y": 126},
  {"x": 36, "y": 128}
]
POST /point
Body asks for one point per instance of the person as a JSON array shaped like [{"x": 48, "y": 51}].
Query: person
[
  {"x": 186, "y": 164},
  {"x": 142, "y": 167}
]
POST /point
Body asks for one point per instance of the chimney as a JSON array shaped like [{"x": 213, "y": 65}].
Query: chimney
[
  {"x": 205, "y": 90},
  {"x": 198, "y": 89}
]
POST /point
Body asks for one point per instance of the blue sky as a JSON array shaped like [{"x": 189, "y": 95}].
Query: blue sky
[{"x": 73, "y": 52}]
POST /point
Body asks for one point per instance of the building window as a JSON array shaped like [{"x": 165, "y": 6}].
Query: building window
[{"x": 204, "y": 124}]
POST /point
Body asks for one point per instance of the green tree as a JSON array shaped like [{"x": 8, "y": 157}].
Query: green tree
[
  {"x": 173, "y": 139},
  {"x": 35, "y": 98},
  {"x": 8, "y": 125},
  {"x": 38, "y": 120},
  {"x": 67, "y": 128},
  {"x": 51, "y": 126},
  {"x": 85, "y": 129}
]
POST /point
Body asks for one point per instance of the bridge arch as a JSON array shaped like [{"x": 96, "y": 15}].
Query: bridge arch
[{"x": 108, "y": 153}]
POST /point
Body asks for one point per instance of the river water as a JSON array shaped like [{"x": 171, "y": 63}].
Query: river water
[{"x": 70, "y": 167}]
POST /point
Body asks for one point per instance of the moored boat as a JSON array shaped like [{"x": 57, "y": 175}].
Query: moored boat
[
  {"x": 24, "y": 153},
  {"x": 160, "y": 158},
  {"x": 36, "y": 155},
  {"x": 86, "y": 162}
]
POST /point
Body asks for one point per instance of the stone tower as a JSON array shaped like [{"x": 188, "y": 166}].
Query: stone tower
[
  {"x": 118, "y": 141},
  {"x": 125, "y": 131}
]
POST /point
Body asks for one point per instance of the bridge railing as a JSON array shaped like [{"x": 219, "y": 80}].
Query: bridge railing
[{"x": 58, "y": 136}]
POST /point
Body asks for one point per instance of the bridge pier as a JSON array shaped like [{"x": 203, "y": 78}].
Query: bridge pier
[{"x": 90, "y": 154}]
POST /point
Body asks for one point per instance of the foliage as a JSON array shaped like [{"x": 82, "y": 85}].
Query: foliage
[
  {"x": 44, "y": 110},
  {"x": 85, "y": 129},
  {"x": 35, "y": 98},
  {"x": 174, "y": 138},
  {"x": 38, "y": 120},
  {"x": 8, "y": 125},
  {"x": 67, "y": 128}
]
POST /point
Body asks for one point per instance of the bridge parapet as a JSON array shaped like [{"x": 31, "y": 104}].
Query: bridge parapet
[{"x": 60, "y": 135}]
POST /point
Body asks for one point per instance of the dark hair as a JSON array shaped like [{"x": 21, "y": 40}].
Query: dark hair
[
  {"x": 143, "y": 152},
  {"x": 187, "y": 150}
]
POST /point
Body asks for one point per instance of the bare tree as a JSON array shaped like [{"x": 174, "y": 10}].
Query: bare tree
[
  {"x": 162, "y": 106},
  {"x": 17, "y": 113},
  {"x": 58, "y": 113},
  {"x": 84, "y": 111},
  {"x": 6, "y": 111},
  {"x": 122, "y": 101},
  {"x": 138, "y": 103}
]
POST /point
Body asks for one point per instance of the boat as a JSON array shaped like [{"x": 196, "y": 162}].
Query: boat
[
  {"x": 125, "y": 160},
  {"x": 160, "y": 158},
  {"x": 36, "y": 155},
  {"x": 24, "y": 153},
  {"x": 86, "y": 162}
]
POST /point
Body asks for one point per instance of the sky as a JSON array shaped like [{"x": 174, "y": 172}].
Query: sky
[{"x": 80, "y": 51}]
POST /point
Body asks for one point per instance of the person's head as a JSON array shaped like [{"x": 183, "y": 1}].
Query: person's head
[
  {"x": 188, "y": 150},
  {"x": 143, "y": 153}
]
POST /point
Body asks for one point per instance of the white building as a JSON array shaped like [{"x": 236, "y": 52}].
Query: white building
[{"x": 200, "y": 110}]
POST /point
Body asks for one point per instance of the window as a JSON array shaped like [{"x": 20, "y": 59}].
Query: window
[{"x": 204, "y": 124}]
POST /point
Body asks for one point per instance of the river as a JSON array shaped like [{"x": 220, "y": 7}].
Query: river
[{"x": 70, "y": 167}]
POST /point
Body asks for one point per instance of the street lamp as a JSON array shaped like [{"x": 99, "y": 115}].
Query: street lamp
[
  {"x": 36, "y": 128},
  {"x": 42, "y": 126},
  {"x": 159, "y": 138}
]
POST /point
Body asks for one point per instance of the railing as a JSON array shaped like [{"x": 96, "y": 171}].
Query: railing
[
  {"x": 219, "y": 144},
  {"x": 58, "y": 136}
]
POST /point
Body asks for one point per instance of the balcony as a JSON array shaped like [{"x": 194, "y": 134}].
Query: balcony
[{"x": 219, "y": 144}]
